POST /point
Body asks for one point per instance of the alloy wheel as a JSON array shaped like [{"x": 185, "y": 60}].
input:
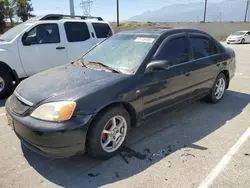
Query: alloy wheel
[
  {"x": 2, "y": 84},
  {"x": 113, "y": 134},
  {"x": 220, "y": 88}
]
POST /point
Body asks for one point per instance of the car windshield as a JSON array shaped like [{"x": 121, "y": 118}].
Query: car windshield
[
  {"x": 123, "y": 52},
  {"x": 12, "y": 33},
  {"x": 239, "y": 33}
]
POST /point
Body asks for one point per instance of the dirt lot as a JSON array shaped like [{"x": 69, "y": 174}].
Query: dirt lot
[{"x": 197, "y": 145}]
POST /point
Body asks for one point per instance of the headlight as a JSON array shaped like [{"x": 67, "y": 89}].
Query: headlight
[{"x": 56, "y": 111}]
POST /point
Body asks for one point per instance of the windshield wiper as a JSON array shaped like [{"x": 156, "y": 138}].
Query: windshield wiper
[
  {"x": 105, "y": 66},
  {"x": 79, "y": 62}
]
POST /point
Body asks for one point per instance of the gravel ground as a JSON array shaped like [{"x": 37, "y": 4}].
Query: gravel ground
[{"x": 177, "y": 148}]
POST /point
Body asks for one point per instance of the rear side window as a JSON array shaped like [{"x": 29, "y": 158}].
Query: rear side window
[
  {"x": 201, "y": 47},
  {"x": 102, "y": 30},
  {"x": 175, "y": 51},
  {"x": 76, "y": 31}
]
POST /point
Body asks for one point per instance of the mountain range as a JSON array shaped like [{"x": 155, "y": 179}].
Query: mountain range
[{"x": 228, "y": 10}]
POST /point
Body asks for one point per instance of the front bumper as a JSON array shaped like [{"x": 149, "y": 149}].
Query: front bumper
[
  {"x": 51, "y": 139},
  {"x": 234, "y": 41}
]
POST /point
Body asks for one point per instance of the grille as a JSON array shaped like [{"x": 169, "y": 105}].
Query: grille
[{"x": 17, "y": 106}]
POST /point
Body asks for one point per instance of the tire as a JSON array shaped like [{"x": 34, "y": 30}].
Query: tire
[
  {"x": 6, "y": 85},
  {"x": 243, "y": 41},
  {"x": 215, "y": 97},
  {"x": 96, "y": 139}
]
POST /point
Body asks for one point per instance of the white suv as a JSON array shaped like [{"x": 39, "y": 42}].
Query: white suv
[{"x": 45, "y": 42}]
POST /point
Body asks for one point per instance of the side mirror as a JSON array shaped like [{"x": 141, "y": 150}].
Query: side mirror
[
  {"x": 24, "y": 39},
  {"x": 157, "y": 65},
  {"x": 28, "y": 40}
]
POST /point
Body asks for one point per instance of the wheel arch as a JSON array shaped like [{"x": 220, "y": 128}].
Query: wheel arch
[
  {"x": 11, "y": 71},
  {"x": 127, "y": 106}
]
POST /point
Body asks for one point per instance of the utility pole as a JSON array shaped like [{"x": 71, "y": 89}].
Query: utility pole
[
  {"x": 205, "y": 11},
  {"x": 117, "y": 6},
  {"x": 245, "y": 20},
  {"x": 72, "y": 8},
  {"x": 220, "y": 19},
  {"x": 248, "y": 15}
]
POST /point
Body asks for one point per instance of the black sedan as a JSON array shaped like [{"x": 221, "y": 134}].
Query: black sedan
[{"x": 92, "y": 104}]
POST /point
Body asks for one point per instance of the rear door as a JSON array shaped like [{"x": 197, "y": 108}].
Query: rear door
[
  {"x": 206, "y": 62},
  {"x": 79, "y": 39},
  {"x": 46, "y": 49},
  {"x": 164, "y": 88}
]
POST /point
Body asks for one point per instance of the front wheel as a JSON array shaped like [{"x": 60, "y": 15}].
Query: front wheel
[
  {"x": 243, "y": 41},
  {"x": 108, "y": 133},
  {"x": 218, "y": 89}
]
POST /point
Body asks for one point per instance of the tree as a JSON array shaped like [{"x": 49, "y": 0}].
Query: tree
[
  {"x": 9, "y": 10},
  {"x": 24, "y": 9},
  {"x": 2, "y": 17}
]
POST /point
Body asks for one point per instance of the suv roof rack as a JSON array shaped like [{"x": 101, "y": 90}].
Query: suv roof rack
[{"x": 61, "y": 16}]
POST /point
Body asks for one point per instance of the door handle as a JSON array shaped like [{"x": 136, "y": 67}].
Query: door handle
[
  {"x": 60, "y": 48},
  {"x": 187, "y": 74}
]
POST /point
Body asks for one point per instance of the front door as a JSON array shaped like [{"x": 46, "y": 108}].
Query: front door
[
  {"x": 44, "y": 49},
  {"x": 164, "y": 88}
]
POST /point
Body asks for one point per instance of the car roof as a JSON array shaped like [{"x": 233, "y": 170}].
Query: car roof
[
  {"x": 63, "y": 18},
  {"x": 161, "y": 31}
]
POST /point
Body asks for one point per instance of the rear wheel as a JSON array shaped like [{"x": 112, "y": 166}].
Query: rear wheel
[
  {"x": 108, "y": 133},
  {"x": 6, "y": 85},
  {"x": 218, "y": 89}
]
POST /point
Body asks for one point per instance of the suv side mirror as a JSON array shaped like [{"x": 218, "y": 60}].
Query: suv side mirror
[
  {"x": 27, "y": 41},
  {"x": 157, "y": 65}
]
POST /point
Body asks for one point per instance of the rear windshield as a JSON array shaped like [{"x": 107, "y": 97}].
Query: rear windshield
[
  {"x": 124, "y": 52},
  {"x": 12, "y": 33}
]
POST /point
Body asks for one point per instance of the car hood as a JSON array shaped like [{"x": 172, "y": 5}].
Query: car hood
[
  {"x": 4, "y": 46},
  {"x": 53, "y": 82},
  {"x": 235, "y": 36}
]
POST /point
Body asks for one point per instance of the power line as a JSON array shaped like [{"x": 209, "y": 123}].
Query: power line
[{"x": 86, "y": 7}]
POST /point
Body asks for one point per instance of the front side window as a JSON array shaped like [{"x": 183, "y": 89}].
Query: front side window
[
  {"x": 124, "y": 52},
  {"x": 76, "y": 31},
  {"x": 201, "y": 47},
  {"x": 102, "y": 30},
  {"x": 175, "y": 51},
  {"x": 43, "y": 34}
]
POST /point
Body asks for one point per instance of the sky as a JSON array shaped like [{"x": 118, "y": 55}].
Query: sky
[{"x": 107, "y": 8}]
